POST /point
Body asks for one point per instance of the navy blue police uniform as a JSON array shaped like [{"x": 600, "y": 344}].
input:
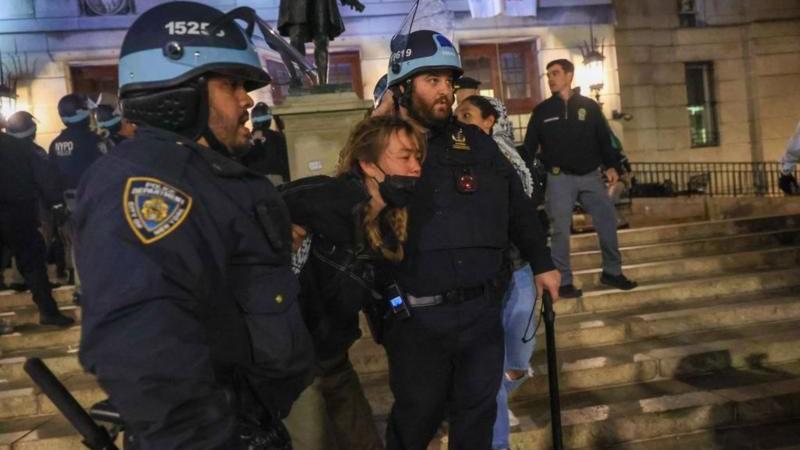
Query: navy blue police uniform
[
  {"x": 189, "y": 252},
  {"x": 26, "y": 178},
  {"x": 191, "y": 321},
  {"x": 469, "y": 201},
  {"x": 74, "y": 150}
]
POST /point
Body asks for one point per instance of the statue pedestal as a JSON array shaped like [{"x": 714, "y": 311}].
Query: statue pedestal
[{"x": 316, "y": 128}]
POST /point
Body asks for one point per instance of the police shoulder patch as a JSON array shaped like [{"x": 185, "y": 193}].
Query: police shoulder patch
[{"x": 153, "y": 208}]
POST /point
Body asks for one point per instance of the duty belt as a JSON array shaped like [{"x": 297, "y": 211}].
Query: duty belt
[{"x": 459, "y": 295}]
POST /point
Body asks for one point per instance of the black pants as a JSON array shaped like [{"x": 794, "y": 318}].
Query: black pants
[
  {"x": 19, "y": 231},
  {"x": 445, "y": 361}
]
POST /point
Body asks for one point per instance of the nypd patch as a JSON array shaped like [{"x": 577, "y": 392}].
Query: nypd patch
[{"x": 153, "y": 208}]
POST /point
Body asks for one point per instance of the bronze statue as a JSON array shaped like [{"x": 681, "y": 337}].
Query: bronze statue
[{"x": 315, "y": 21}]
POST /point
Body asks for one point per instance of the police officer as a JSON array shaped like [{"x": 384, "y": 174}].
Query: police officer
[
  {"x": 72, "y": 152},
  {"x": 112, "y": 125},
  {"x": 574, "y": 139},
  {"x": 190, "y": 322},
  {"x": 77, "y": 146},
  {"x": 448, "y": 355},
  {"x": 268, "y": 155},
  {"x": 22, "y": 125},
  {"x": 26, "y": 178}
]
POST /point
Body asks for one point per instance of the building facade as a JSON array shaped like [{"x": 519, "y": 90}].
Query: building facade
[
  {"x": 698, "y": 80},
  {"x": 708, "y": 80},
  {"x": 69, "y": 47}
]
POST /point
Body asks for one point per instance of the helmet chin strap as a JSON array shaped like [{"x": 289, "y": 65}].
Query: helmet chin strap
[{"x": 203, "y": 130}]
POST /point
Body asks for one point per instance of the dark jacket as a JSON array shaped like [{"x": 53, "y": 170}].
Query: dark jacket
[
  {"x": 573, "y": 135},
  {"x": 458, "y": 239},
  {"x": 190, "y": 317},
  {"x": 338, "y": 279},
  {"x": 73, "y": 151},
  {"x": 25, "y": 173}
]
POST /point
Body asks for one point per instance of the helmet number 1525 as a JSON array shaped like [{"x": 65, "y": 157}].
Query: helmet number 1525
[{"x": 182, "y": 27}]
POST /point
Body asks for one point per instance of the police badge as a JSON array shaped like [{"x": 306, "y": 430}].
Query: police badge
[
  {"x": 459, "y": 140},
  {"x": 153, "y": 208},
  {"x": 582, "y": 114}
]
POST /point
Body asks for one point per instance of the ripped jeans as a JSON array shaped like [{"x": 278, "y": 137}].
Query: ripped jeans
[{"x": 517, "y": 322}]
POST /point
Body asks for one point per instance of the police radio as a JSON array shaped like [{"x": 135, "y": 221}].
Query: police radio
[{"x": 397, "y": 303}]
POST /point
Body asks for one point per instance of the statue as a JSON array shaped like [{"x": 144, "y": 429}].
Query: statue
[{"x": 315, "y": 21}]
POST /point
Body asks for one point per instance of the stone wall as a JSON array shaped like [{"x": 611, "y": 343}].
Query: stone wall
[{"x": 755, "y": 48}]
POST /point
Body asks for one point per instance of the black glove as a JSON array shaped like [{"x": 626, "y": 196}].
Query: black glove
[
  {"x": 788, "y": 184},
  {"x": 269, "y": 436},
  {"x": 353, "y": 4}
]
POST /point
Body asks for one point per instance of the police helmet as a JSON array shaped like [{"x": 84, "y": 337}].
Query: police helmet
[
  {"x": 73, "y": 108},
  {"x": 108, "y": 118},
  {"x": 380, "y": 89},
  {"x": 261, "y": 114},
  {"x": 21, "y": 125},
  {"x": 421, "y": 51},
  {"x": 164, "y": 56}
]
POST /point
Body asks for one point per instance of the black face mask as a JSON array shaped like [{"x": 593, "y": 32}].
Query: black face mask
[{"x": 397, "y": 190}]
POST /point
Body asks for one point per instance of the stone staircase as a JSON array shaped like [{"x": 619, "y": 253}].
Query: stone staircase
[{"x": 705, "y": 354}]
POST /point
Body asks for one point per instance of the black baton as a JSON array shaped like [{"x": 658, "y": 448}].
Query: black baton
[
  {"x": 94, "y": 436},
  {"x": 552, "y": 369}
]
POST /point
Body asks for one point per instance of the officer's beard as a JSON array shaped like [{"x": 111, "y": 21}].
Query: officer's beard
[{"x": 425, "y": 112}]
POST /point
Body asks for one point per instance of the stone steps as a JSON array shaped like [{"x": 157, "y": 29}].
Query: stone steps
[
  {"x": 690, "y": 231},
  {"x": 601, "y": 418},
  {"x": 688, "y": 248},
  {"x": 586, "y": 369},
  {"x": 12, "y": 299},
  {"x": 20, "y": 399},
  {"x": 29, "y": 315},
  {"x": 784, "y": 256},
  {"x": 29, "y": 337},
  {"x": 45, "y": 432},
  {"x": 784, "y": 435},
  {"x": 582, "y": 330},
  {"x": 61, "y": 360},
  {"x": 667, "y": 299}
]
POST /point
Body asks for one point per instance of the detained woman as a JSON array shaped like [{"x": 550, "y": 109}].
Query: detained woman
[
  {"x": 356, "y": 222},
  {"x": 520, "y": 299}
]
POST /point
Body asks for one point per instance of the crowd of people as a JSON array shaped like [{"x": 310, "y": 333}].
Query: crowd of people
[{"x": 221, "y": 298}]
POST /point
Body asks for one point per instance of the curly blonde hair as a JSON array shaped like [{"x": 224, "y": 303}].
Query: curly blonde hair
[{"x": 367, "y": 142}]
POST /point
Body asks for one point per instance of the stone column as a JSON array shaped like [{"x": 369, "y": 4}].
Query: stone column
[{"x": 316, "y": 128}]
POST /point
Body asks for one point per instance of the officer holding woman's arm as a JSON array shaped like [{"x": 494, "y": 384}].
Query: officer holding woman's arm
[
  {"x": 446, "y": 359},
  {"x": 190, "y": 315}
]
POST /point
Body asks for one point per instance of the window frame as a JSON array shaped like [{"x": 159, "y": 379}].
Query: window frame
[
  {"x": 709, "y": 105},
  {"x": 493, "y": 52}
]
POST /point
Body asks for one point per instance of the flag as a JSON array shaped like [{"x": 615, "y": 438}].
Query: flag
[
  {"x": 485, "y": 8},
  {"x": 490, "y": 8}
]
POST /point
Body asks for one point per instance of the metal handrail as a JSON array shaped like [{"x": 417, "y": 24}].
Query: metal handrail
[{"x": 724, "y": 179}]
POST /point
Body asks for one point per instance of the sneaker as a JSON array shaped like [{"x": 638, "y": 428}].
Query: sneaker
[
  {"x": 618, "y": 281},
  {"x": 512, "y": 419},
  {"x": 569, "y": 291},
  {"x": 57, "y": 319}
]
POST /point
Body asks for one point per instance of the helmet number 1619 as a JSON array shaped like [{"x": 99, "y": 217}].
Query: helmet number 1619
[{"x": 182, "y": 27}]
